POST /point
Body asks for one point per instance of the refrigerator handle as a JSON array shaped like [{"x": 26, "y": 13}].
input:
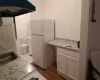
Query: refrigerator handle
[{"x": 93, "y": 11}]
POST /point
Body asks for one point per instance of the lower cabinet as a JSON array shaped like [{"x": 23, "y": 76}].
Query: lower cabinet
[
  {"x": 67, "y": 66},
  {"x": 61, "y": 63},
  {"x": 72, "y": 68}
]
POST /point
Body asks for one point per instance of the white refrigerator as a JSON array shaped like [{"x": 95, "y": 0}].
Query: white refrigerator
[{"x": 42, "y": 31}]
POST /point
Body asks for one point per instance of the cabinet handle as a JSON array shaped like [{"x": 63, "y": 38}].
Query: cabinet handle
[{"x": 93, "y": 11}]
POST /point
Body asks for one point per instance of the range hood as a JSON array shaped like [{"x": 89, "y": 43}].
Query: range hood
[{"x": 12, "y": 8}]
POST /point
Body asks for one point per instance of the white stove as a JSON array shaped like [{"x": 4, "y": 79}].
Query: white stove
[{"x": 35, "y": 75}]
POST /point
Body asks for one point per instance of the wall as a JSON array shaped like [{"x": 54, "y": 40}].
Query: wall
[
  {"x": 23, "y": 21},
  {"x": 94, "y": 29},
  {"x": 7, "y": 34},
  {"x": 84, "y": 39},
  {"x": 94, "y": 37},
  {"x": 0, "y": 35},
  {"x": 0, "y": 31},
  {"x": 67, "y": 14},
  {"x": 22, "y": 27},
  {"x": 22, "y": 24},
  {"x": 90, "y": 37},
  {"x": 39, "y": 13}
]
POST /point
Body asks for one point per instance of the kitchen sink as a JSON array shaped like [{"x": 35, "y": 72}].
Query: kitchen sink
[{"x": 7, "y": 57}]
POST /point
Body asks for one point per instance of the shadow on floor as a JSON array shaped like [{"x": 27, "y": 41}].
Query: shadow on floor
[{"x": 50, "y": 73}]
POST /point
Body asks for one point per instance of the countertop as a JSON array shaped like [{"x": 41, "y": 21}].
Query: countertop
[
  {"x": 67, "y": 44},
  {"x": 15, "y": 70}
]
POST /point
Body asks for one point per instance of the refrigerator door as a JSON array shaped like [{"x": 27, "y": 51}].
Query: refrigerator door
[
  {"x": 37, "y": 50},
  {"x": 36, "y": 27},
  {"x": 22, "y": 24},
  {"x": 49, "y": 30}
]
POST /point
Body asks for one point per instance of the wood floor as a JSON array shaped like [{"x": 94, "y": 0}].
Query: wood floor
[{"x": 50, "y": 73}]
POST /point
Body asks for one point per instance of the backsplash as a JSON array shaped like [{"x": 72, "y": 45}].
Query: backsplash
[
  {"x": 73, "y": 43},
  {"x": 67, "y": 40}
]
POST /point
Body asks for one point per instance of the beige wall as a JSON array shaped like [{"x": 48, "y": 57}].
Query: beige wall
[
  {"x": 94, "y": 37},
  {"x": 0, "y": 35},
  {"x": 39, "y": 13},
  {"x": 22, "y": 24},
  {"x": 23, "y": 21},
  {"x": 7, "y": 34},
  {"x": 90, "y": 35},
  {"x": 22, "y": 27},
  {"x": 67, "y": 14},
  {"x": 94, "y": 29}
]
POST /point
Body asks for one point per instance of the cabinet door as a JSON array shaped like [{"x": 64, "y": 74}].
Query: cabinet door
[
  {"x": 61, "y": 63},
  {"x": 72, "y": 67}
]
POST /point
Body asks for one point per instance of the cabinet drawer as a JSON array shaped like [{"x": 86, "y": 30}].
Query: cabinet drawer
[{"x": 68, "y": 52}]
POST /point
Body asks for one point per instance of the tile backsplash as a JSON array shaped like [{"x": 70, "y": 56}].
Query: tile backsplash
[{"x": 73, "y": 43}]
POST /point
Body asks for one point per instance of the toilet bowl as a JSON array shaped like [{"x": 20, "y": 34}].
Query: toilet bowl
[
  {"x": 24, "y": 46},
  {"x": 24, "y": 49}
]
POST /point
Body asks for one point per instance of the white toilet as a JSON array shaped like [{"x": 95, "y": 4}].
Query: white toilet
[
  {"x": 24, "y": 49},
  {"x": 22, "y": 46}
]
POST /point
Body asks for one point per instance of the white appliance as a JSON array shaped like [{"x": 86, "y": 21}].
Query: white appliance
[{"x": 42, "y": 31}]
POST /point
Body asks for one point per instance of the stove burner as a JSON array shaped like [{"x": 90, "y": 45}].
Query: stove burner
[{"x": 34, "y": 79}]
